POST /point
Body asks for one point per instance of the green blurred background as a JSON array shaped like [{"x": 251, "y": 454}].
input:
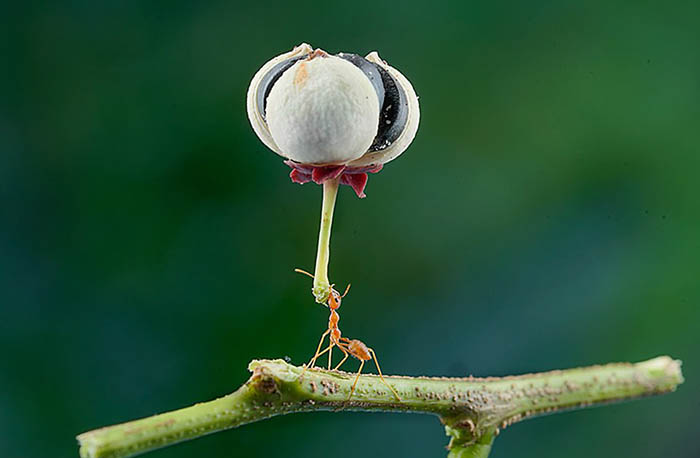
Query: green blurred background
[{"x": 546, "y": 216}]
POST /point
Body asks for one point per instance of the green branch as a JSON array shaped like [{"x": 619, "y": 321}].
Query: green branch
[{"x": 472, "y": 409}]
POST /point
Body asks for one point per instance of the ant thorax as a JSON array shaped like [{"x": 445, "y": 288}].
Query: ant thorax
[
  {"x": 333, "y": 320},
  {"x": 335, "y": 335}
]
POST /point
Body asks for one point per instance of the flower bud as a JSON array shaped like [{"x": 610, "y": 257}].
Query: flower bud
[{"x": 333, "y": 116}]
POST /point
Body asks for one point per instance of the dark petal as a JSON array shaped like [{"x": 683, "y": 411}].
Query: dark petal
[{"x": 393, "y": 115}]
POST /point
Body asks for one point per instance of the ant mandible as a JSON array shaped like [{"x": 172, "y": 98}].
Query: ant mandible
[{"x": 349, "y": 347}]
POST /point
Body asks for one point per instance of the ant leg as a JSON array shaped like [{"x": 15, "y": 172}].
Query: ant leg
[
  {"x": 343, "y": 360},
  {"x": 318, "y": 349},
  {"x": 313, "y": 360},
  {"x": 374, "y": 355},
  {"x": 343, "y": 343},
  {"x": 359, "y": 371},
  {"x": 303, "y": 272},
  {"x": 330, "y": 357}
]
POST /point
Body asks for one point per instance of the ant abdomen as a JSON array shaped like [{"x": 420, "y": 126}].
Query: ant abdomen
[{"x": 359, "y": 350}]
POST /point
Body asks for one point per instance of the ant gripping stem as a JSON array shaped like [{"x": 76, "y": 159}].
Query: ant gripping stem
[
  {"x": 333, "y": 303},
  {"x": 355, "y": 348},
  {"x": 334, "y": 298}
]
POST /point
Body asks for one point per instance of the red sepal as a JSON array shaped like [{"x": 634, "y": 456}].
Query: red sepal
[
  {"x": 357, "y": 181},
  {"x": 355, "y": 177}
]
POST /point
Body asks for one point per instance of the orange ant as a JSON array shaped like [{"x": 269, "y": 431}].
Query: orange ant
[{"x": 349, "y": 347}]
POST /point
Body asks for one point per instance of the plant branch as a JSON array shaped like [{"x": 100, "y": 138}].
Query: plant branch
[
  {"x": 472, "y": 409},
  {"x": 322, "y": 287}
]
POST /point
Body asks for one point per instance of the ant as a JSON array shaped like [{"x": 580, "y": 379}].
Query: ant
[{"x": 349, "y": 347}]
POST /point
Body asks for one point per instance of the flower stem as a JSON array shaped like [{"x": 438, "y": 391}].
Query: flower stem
[
  {"x": 322, "y": 287},
  {"x": 472, "y": 409}
]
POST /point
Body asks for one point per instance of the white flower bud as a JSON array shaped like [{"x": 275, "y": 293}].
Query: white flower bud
[{"x": 321, "y": 110}]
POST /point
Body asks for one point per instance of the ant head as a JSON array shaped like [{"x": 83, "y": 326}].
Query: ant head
[{"x": 334, "y": 299}]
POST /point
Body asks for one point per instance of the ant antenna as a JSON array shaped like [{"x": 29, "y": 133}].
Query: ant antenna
[{"x": 303, "y": 272}]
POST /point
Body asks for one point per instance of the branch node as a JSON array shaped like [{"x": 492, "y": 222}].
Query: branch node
[{"x": 263, "y": 381}]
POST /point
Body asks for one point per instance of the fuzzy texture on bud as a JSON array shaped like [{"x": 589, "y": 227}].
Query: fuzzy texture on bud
[{"x": 323, "y": 111}]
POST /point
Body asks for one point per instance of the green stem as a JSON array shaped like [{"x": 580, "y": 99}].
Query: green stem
[
  {"x": 480, "y": 448},
  {"x": 472, "y": 409},
  {"x": 322, "y": 287}
]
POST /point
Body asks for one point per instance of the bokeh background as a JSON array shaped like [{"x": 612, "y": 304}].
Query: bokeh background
[{"x": 546, "y": 216}]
